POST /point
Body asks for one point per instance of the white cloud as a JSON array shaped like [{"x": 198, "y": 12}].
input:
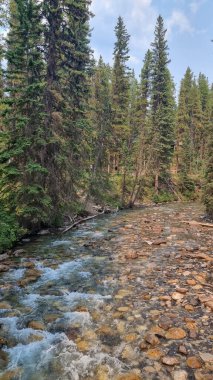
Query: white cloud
[
  {"x": 133, "y": 59},
  {"x": 178, "y": 20},
  {"x": 195, "y": 5},
  {"x": 139, "y": 15}
]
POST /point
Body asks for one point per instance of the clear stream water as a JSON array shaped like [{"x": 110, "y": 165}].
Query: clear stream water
[
  {"x": 73, "y": 300},
  {"x": 71, "y": 279}
]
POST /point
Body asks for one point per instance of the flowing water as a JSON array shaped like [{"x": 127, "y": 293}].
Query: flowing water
[{"x": 69, "y": 308}]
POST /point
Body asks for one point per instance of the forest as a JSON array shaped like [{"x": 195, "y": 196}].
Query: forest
[{"x": 73, "y": 130}]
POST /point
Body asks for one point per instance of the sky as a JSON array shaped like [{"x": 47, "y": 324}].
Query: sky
[{"x": 189, "y": 32}]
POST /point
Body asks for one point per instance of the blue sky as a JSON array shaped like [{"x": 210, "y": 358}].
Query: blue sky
[{"x": 189, "y": 24}]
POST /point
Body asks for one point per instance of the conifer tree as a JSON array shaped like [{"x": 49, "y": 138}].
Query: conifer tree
[
  {"x": 162, "y": 104},
  {"x": 68, "y": 59},
  {"x": 208, "y": 190},
  {"x": 196, "y": 127},
  {"x": 101, "y": 119},
  {"x": 182, "y": 134},
  {"x": 145, "y": 88},
  {"x": 23, "y": 173},
  {"x": 142, "y": 152},
  {"x": 205, "y": 97},
  {"x": 120, "y": 88}
]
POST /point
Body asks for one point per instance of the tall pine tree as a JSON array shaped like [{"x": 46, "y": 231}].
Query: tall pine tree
[
  {"x": 208, "y": 190},
  {"x": 23, "y": 172},
  {"x": 162, "y": 105},
  {"x": 120, "y": 88},
  {"x": 101, "y": 119}
]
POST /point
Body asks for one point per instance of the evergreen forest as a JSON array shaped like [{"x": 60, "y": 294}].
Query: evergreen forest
[{"x": 75, "y": 131}]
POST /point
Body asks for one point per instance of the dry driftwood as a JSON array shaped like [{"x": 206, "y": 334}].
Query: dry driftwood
[
  {"x": 81, "y": 221},
  {"x": 194, "y": 223}
]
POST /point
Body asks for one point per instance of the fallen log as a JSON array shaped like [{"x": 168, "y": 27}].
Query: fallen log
[
  {"x": 194, "y": 223},
  {"x": 81, "y": 221}
]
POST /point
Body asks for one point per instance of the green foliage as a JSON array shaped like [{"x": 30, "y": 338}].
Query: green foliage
[
  {"x": 162, "y": 102},
  {"x": 208, "y": 189},
  {"x": 163, "y": 197},
  {"x": 186, "y": 186},
  {"x": 10, "y": 230}
]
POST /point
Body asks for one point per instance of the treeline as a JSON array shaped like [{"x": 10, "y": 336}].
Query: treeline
[{"x": 74, "y": 130}]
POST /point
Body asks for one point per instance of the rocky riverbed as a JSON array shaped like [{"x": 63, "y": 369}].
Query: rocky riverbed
[{"x": 125, "y": 297}]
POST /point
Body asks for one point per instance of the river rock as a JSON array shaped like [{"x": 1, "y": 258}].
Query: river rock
[
  {"x": 180, "y": 375},
  {"x": 4, "y": 256},
  {"x": 3, "y": 341},
  {"x": 129, "y": 354},
  {"x": 27, "y": 281},
  {"x": 154, "y": 354},
  {"x": 3, "y": 268},
  {"x": 33, "y": 273},
  {"x": 123, "y": 309},
  {"x": 130, "y": 337},
  {"x": 177, "y": 296},
  {"x": 182, "y": 349},
  {"x": 156, "y": 330},
  {"x": 11, "y": 374},
  {"x": 165, "y": 323},
  {"x": 175, "y": 333},
  {"x": 5, "y": 305},
  {"x": 152, "y": 339},
  {"x": 4, "y": 358},
  {"x": 43, "y": 232},
  {"x": 18, "y": 252},
  {"x": 201, "y": 375},
  {"x": 129, "y": 376},
  {"x": 206, "y": 357},
  {"x": 194, "y": 362},
  {"x": 170, "y": 360},
  {"x": 50, "y": 318},
  {"x": 159, "y": 242},
  {"x": 131, "y": 255},
  {"x": 36, "y": 325},
  {"x": 83, "y": 346},
  {"x": 35, "y": 338}
]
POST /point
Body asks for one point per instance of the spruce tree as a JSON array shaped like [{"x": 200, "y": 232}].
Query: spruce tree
[
  {"x": 196, "y": 128},
  {"x": 120, "y": 88},
  {"x": 182, "y": 135},
  {"x": 145, "y": 87},
  {"x": 142, "y": 150},
  {"x": 22, "y": 169},
  {"x": 205, "y": 97},
  {"x": 208, "y": 190},
  {"x": 101, "y": 119},
  {"x": 68, "y": 64},
  {"x": 162, "y": 104}
]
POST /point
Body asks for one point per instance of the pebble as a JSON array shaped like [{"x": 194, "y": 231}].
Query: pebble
[
  {"x": 194, "y": 362},
  {"x": 183, "y": 350},
  {"x": 206, "y": 357},
  {"x": 152, "y": 339},
  {"x": 175, "y": 333},
  {"x": 180, "y": 375},
  {"x": 154, "y": 354},
  {"x": 170, "y": 360}
]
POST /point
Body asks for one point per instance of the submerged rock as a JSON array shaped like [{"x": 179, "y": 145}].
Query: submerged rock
[{"x": 36, "y": 325}]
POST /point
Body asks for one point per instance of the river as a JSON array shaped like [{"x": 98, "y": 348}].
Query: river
[{"x": 80, "y": 306}]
